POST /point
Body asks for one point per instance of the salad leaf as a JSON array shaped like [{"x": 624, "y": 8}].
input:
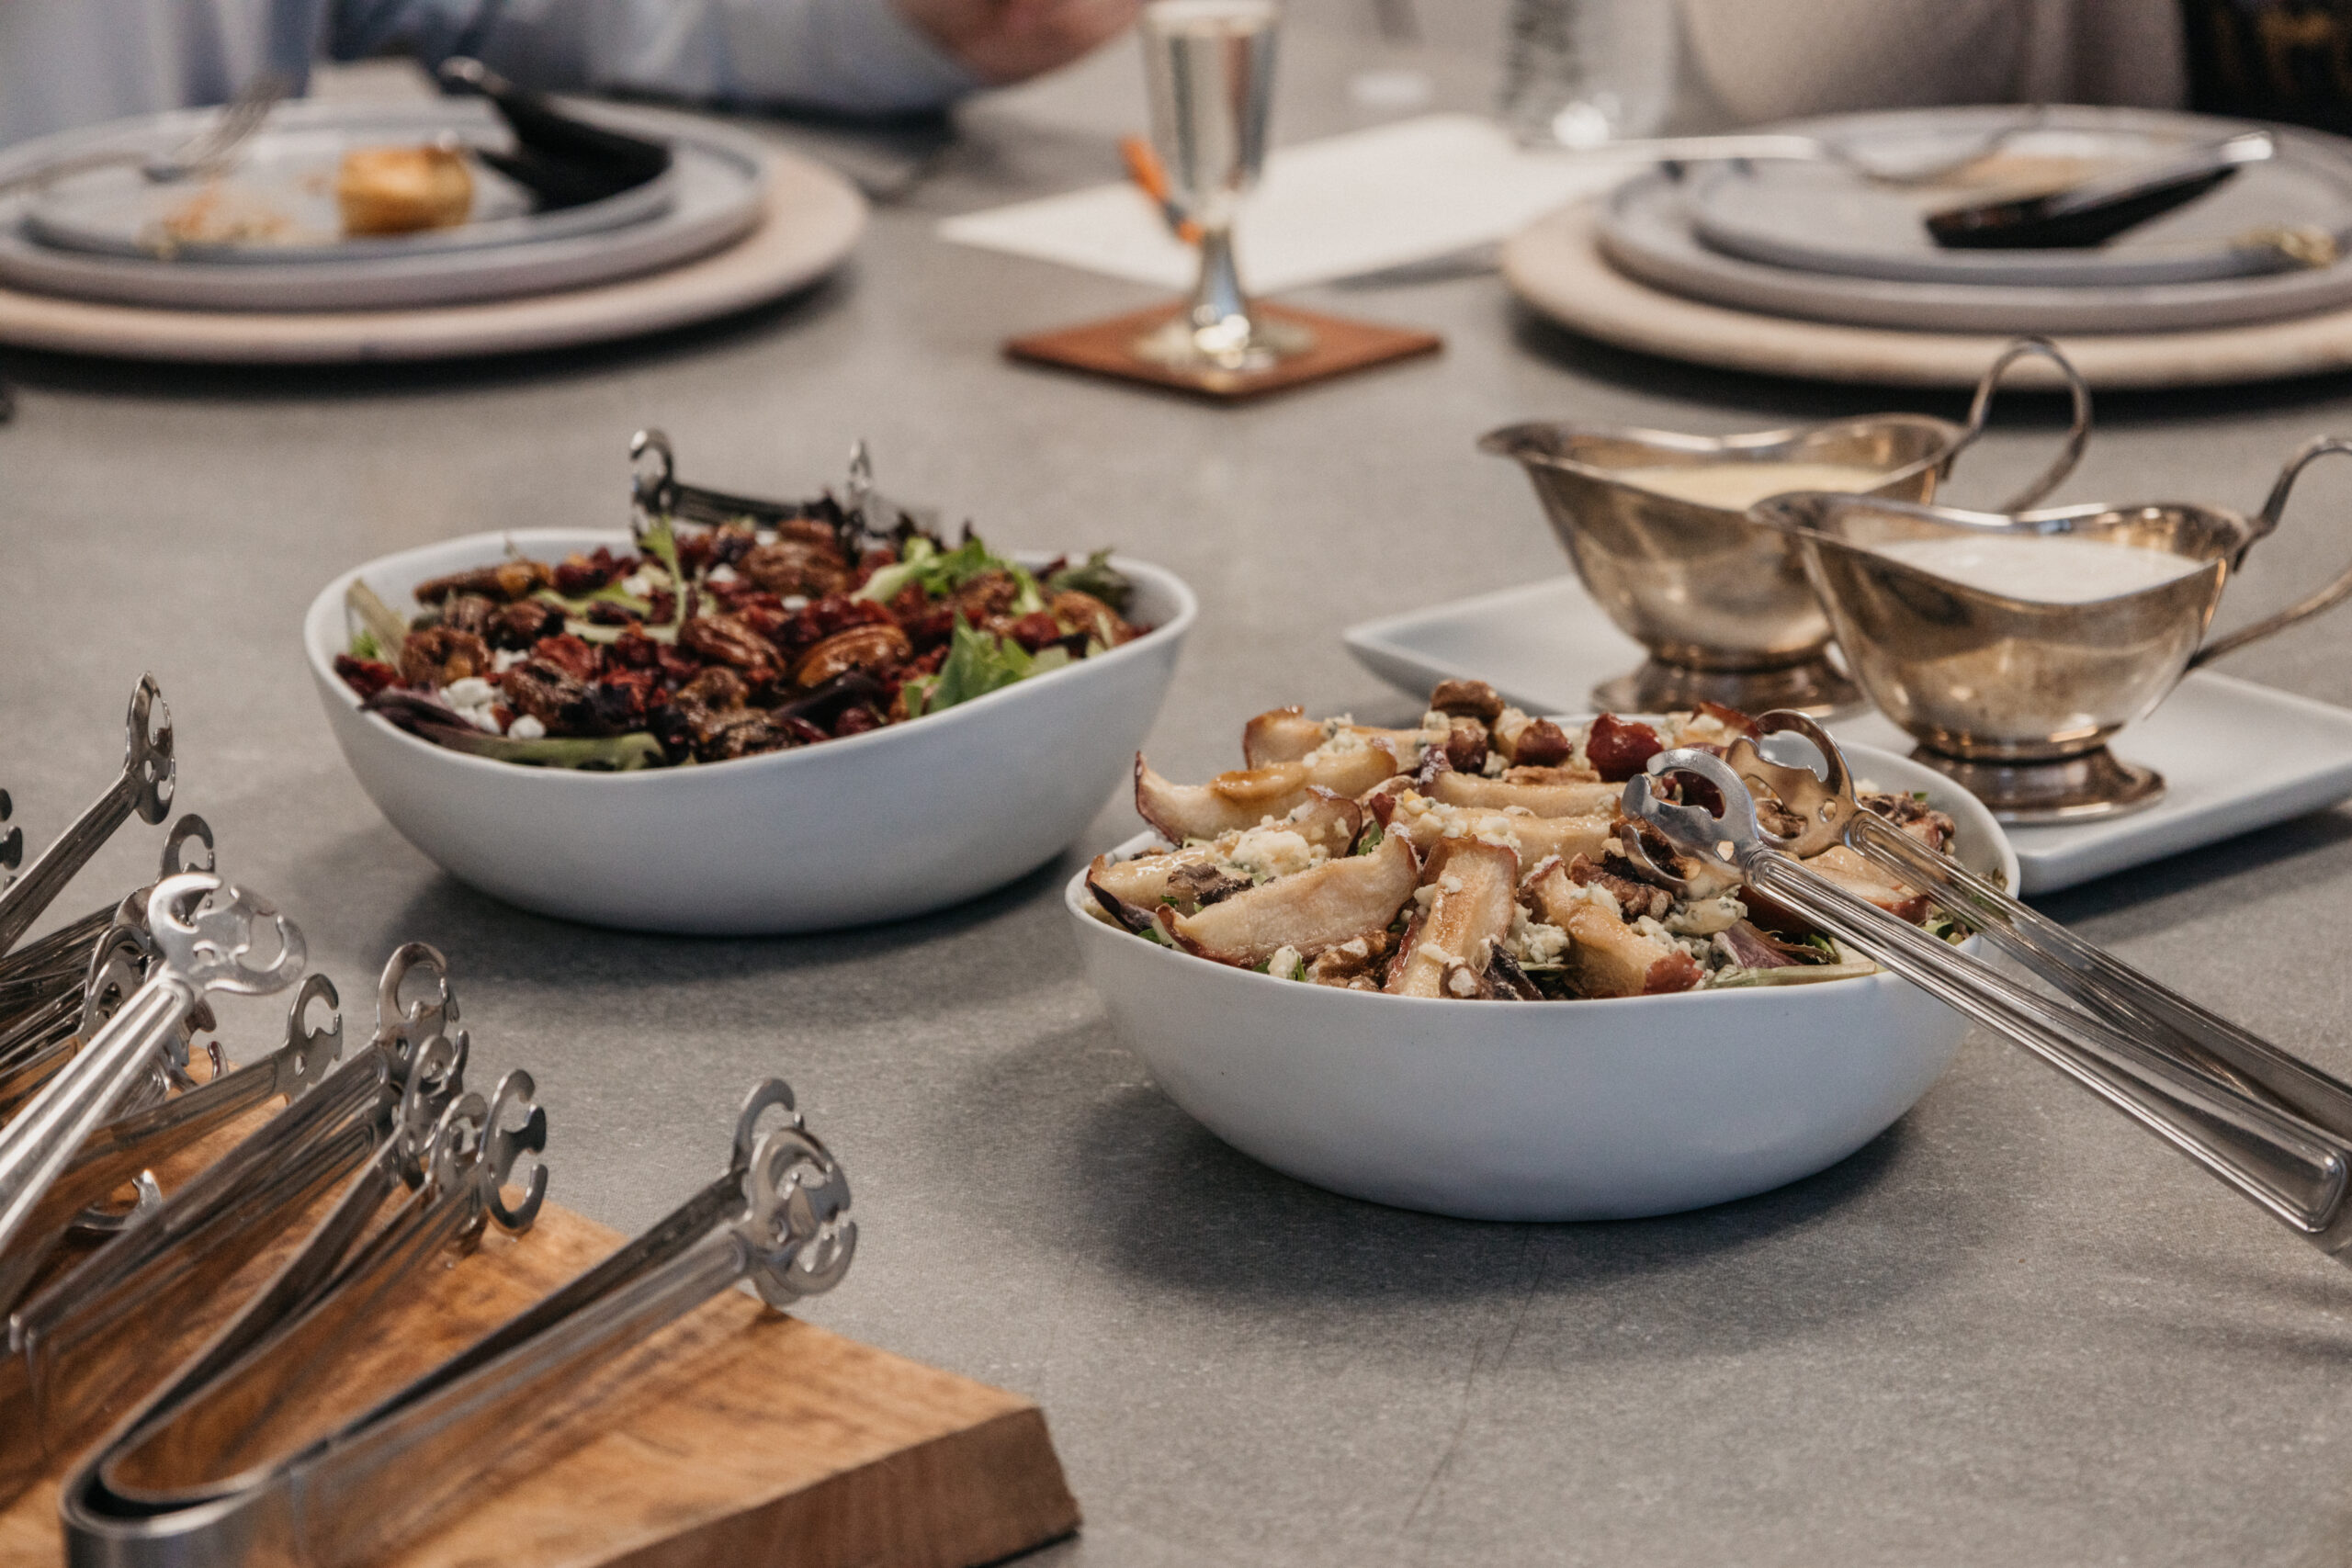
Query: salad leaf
[
  {"x": 979, "y": 662},
  {"x": 364, "y": 646},
  {"x": 382, "y": 624},
  {"x": 940, "y": 572},
  {"x": 1099, "y": 578},
  {"x": 428, "y": 718}
]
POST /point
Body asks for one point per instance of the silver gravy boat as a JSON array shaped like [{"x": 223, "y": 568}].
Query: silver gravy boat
[
  {"x": 1720, "y": 601},
  {"x": 2014, "y": 698}
]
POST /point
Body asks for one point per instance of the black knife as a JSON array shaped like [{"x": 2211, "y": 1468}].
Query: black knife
[
  {"x": 2097, "y": 210},
  {"x": 561, "y": 161}
]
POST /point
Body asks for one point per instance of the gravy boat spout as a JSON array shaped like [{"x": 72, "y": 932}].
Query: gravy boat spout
[{"x": 2012, "y": 647}]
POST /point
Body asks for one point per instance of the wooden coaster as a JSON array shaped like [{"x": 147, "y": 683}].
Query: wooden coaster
[
  {"x": 1107, "y": 348},
  {"x": 741, "y": 1438}
]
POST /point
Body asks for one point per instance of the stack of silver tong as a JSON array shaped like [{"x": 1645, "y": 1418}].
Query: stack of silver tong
[
  {"x": 2267, "y": 1124},
  {"x": 97, "y": 1023}
]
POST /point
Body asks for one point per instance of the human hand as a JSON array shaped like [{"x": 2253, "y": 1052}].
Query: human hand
[{"x": 1009, "y": 41}]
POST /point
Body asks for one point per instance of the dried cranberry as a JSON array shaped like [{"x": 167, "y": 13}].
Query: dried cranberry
[
  {"x": 569, "y": 654},
  {"x": 581, "y": 575},
  {"x": 605, "y": 612},
  {"x": 856, "y": 721},
  {"x": 666, "y": 607},
  {"x": 633, "y": 650},
  {"x": 1034, "y": 631},
  {"x": 677, "y": 665},
  {"x": 1618, "y": 748},
  {"x": 802, "y": 731},
  {"x": 693, "y": 550},
  {"x": 520, "y": 624},
  {"x": 365, "y": 676}
]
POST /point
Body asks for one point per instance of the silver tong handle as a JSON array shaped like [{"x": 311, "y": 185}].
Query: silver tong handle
[
  {"x": 2298, "y": 1172},
  {"x": 145, "y": 787},
  {"x": 204, "y": 930}
]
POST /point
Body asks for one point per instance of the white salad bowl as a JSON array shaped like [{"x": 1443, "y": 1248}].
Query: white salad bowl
[
  {"x": 895, "y": 822},
  {"x": 1539, "y": 1111}
]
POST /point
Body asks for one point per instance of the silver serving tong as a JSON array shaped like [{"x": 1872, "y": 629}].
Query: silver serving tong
[
  {"x": 145, "y": 787},
  {"x": 778, "y": 1216},
  {"x": 101, "y": 1333},
  {"x": 45, "y": 986},
  {"x": 121, "y": 1149},
  {"x": 204, "y": 931},
  {"x": 2265, "y": 1123},
  {"x": 655, "y": 490}
]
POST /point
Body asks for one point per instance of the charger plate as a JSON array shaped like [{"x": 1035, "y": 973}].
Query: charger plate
[
  {"x": 810, "y": 222},
  {"x": 1556, "y": 268},
  {"x": 1546, "y": 645}
]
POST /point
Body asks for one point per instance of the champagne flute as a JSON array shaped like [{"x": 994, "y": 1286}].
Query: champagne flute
[{"x": 1209, "y": 66}]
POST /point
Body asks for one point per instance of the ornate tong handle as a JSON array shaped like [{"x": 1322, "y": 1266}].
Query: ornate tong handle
[
  {"x": 145, "y": 787},
  {"x": 2090, "y": 975},
  {"x": 205, "y": 932},
  {"x": 2298, "y": 1171},
  {"x": 778, "y": 1215}
]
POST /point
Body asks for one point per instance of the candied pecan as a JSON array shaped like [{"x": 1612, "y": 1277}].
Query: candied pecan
[
  {"x": 1084, "y": 614},
  {"x": 860, "y": 648},
  {"x": 855, "y": 720},
  {"x": 717, "y": 688},
  {"x": 507, "y": 579},
  {"x": 1467, "y": 699},
  {"x": 1035, "y": 631},
  {"x": 1542, "y": 744},
  {"x": 438, "y": 655},
  {"x": 795, "y": 564},
  {"x": 605, "y": 612},
  {"x": 990, "y": 593},
  {"x": 743, "y": 734},
  {"x": 576, "y": 576},
  {"x": 567, "y": 653},
  {"x": 1618, "y": 748},
  {"x": 1465, "y": 746},
  {"x": 522, "y": 624},
  {"x": 468, "y": 613},
  {"x": 728, "y": 641},
  {"x": 365, "y": 676},
  {"x": 554, "y": 697},
  {"x": 1635, "y": 900}
]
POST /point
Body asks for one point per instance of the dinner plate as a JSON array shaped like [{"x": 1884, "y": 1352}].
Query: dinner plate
[
  {"x": 282, "y": 188},
  {"x": 1646, "y": 232},
  {"x": 1546, "y": 645},
  {"x": 1826, "y": 218},
  {"x": 715, "y": 199}
]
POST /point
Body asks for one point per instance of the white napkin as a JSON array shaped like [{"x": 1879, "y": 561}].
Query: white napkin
[{"x": 1343, "y": 207}]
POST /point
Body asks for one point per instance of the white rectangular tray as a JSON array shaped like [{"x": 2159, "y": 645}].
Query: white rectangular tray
[{"x": 1546, "y": 645}]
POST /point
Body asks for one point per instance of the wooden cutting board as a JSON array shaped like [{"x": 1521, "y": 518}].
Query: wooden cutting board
[{"x": 750, "y": 1438}]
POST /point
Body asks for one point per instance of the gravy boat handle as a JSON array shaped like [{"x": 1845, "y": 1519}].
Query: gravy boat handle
[
  {"x": 2079, "y": 431},
  {"x": 2265, "y": 523}
]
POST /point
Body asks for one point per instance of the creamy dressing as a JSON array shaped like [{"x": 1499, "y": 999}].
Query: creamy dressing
[
  {"x": 1736, "y": 487},
  {"x": 2049, "y": 569}
]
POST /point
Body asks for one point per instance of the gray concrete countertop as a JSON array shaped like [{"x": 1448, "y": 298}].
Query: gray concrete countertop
[{"x": 2014, "y": 1330}]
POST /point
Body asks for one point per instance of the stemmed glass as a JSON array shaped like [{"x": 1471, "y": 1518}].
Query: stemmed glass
[{"x": 1209, "y": 66}]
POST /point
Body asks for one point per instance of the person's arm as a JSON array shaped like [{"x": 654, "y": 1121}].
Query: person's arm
[{"x": 857, "y": 56}]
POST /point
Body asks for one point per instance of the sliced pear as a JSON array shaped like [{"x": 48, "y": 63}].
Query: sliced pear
[
  {"x": 1867, "y": 880},
  {"x": 1606, "y": 957},
  {"x": 1447, "y": 951},
  {"x": 1429, "y": 822},
  {"x": 1539, "y": 799},
  {"x": 1280, "y": 735},
  {"x": 1247, "y": 796},
  {"x": 1338, "y": 902}
]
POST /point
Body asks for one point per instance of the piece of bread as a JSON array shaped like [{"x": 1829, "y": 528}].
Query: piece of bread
[{"x": 398, "y": 190}]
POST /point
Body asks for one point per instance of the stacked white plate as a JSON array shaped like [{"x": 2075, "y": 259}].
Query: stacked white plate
[
  {"x": 104, "y": 234},
  {"x": 1822, "y": 242}
]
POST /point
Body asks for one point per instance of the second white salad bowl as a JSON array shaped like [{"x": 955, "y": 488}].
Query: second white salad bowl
[
  {"x": 1539, "y": 1111},
  {"x": 894, "y": 822}
]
